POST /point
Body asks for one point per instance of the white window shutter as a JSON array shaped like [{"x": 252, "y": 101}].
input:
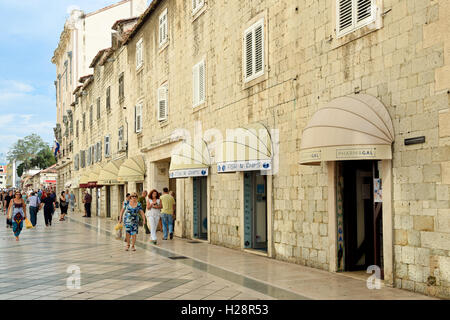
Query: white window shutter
[
  {"x": 345, "y": 15},
  {"x": 162, "y": 103},
  {"x": 363, "y": 10},
  {"x": 248, "y": 54},
  {"x": 259, "y": 49},
  {"x": 195, "y": 86},
  {"x": 201, "y": 82},
  {"x": 194, "y": 5}
]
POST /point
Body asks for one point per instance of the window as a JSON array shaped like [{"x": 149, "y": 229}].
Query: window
[
  {"x": 91, "y": 115},
  {"x": 138, "y": 118},
  {"x": 197, "y": 5},
  {"x": 98, "y": 108},
  {"x": 120, "y": 134},
  {"x": 254, "y": 51},
  {"x": 107, "y": 147},
  {"x": 353, "y": 14},
  {"x": 108, "y": 99},
  {"x": 139, "y": 56},
  {"x": 198, "y": 84},
  {"x": 163, "y": 32},
  {"x": 83, "y": 158},
  {"x": 163, "y": 93},
  {"x": 121, "y": 87},
  {"x": 93, "y": 154},
  {"x": 84, "y": 122},
  {"x": 98, "y": 150},
  {"x": 89, "y": 157},
  {"x": 76, "y": 128}
]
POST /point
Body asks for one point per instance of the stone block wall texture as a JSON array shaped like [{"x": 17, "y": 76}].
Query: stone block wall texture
[{"x": 403, "y": 62}]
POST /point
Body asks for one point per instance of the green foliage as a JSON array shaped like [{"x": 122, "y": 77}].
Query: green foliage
[{"x": 32, "y": 152}]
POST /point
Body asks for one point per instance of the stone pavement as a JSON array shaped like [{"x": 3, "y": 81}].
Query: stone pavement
[{"x": 36, "y": 268}]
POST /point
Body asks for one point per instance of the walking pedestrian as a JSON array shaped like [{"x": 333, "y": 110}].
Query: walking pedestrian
[
  {"x": 168, "y": 205},
  {"x": 18, "y": 210},
  {"x": 153, "y": 213},
  {"x": 174, "y": 215},
  {"x": 72, "y": 200},
  {"x": 143, "y": 201},
  {"x": 34, "y": 203},
  {"x": 64, "y": 205},
  {"x": 132, "y": 210},
  {"x": 49, "y": 208},
  {"x": 6, "y": 203},
  {"x": 87, "y": 204}
]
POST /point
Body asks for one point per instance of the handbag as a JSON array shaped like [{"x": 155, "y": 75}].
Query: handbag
[
  {"x": 56, "y": 204},
  {"x": 28, "y": 224}
]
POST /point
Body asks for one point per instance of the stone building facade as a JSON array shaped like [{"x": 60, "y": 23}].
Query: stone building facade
[
  {"x": 84, "y": 34},
  {"x": 350, "y": 100}
]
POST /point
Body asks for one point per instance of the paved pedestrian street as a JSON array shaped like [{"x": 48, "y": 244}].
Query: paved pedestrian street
[{"x": 38, "y": 266}]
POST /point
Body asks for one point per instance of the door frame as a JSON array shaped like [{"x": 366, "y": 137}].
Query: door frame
[{"x": 388, "y": 246}]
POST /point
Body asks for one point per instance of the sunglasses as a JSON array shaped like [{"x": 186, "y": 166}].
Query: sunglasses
[{"x": 134, "y": 196}]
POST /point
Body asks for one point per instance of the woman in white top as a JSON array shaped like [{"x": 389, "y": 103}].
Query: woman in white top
[{"x": 153, "y": 213}]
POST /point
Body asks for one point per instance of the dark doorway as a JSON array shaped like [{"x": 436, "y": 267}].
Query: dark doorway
[
  {"x": 255, "y": 211},
  {"x": 200, "y": 218},
  {"x": 108, "y": 201},
  {"x": 361, "y": 216}
]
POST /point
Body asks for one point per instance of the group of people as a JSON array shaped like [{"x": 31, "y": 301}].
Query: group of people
[
  {"x": 14, "y": 204},
  {"x": 149, "y": 208}
]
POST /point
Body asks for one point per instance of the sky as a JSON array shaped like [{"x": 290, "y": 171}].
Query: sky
[{"x": 30, "y": 31}]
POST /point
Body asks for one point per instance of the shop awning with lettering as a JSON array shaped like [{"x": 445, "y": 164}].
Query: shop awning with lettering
[
  {"x": 109, "y": 173},
  {"x": 355, "y": 127},
  {"x": 245, "y": 149},
  {"x": 190, "y": 160},
  {"x": 132, "y": 170}
]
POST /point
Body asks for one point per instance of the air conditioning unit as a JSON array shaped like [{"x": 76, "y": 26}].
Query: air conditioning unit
[{"x": 122, "y": 145}]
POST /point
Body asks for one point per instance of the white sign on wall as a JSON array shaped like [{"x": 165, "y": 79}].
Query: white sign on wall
[{"x": 253, "y": 165}]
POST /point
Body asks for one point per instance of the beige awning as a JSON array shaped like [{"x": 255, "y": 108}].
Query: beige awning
[
  {"x": 94, "y": 173},
  {"x": 132, "y": 170},
  {"x": 108, "y": 174},
  {"x": 245, "y": 149},
  {"x": 355, "y": 127},
  {"x": 190, "y": 160}
]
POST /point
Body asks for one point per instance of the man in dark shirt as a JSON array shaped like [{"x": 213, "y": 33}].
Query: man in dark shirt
[
  {"x": 87, "y": 204},
  {"x": 7, "y": 200}
]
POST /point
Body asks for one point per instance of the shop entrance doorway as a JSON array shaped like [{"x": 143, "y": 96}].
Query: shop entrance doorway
[
  {"x": 97, "y": 193},
  {"x": 108, "y": 201},
  {"x": 359, "y": 216},
  {"x": 255, "y": 211},
  {"x": 200, "y": 218}
]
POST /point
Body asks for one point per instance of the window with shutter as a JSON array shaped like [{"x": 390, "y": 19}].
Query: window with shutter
[
  {"x": 107, "y": 146},
  {"x": 138, "y": 118},
  {"x": 197, "y": 5},
  {"x": 108, "y": 99},
  {"x": 163, "y": 28},
  {"x": 139, "y": 54},
  {"x": 254, "y": 51},
  {"x": 98, "y": 108},
  {"x": 163, "y": 93},
  {"x": 199, "y": 85},
  {"x": 353, "y": 14}
]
